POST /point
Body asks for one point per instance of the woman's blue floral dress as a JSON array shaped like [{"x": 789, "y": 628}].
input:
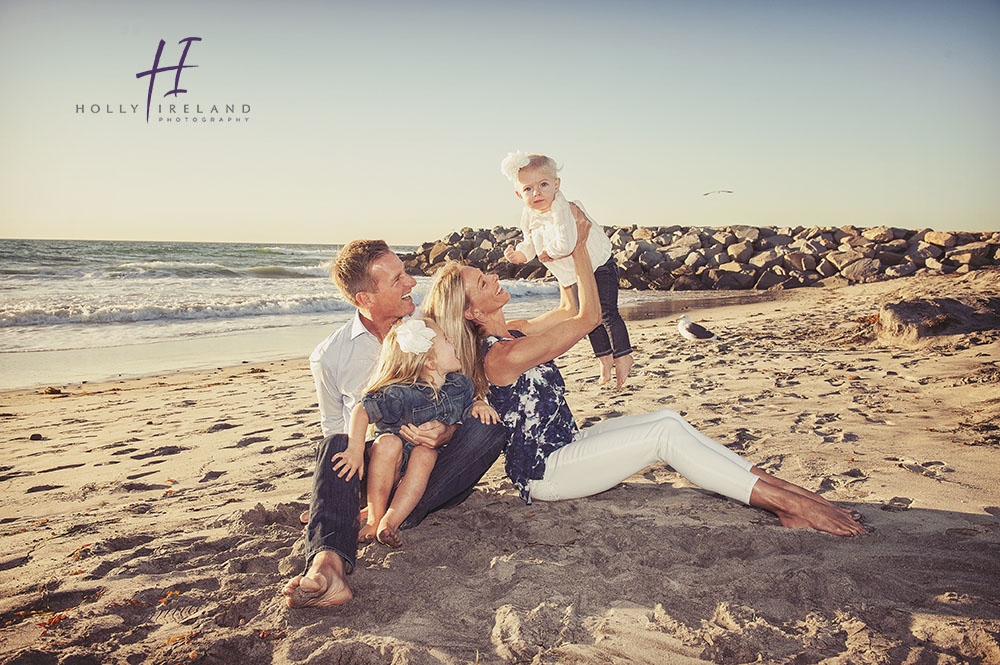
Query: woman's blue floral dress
[{"x": 534, "y": 411}]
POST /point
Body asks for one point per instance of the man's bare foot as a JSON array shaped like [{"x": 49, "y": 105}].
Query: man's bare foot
[
  {"x": 367, "y": 533},
  {"x": 304, "y": 517},
  {"x": 622, "y": 367},
  {"x": 388, "y": 534},
  {"x": 325, "y": 585},
  {"x": 606, "y": 368}
]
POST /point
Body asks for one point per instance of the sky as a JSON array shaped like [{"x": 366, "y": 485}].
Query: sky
[{"x": 390, "y": 119}]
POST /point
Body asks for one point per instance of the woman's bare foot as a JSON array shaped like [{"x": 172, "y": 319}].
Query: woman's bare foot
[
  {"x": 325, "y": 585},
  {"x": 606, "y": 365},
  {"x": 797, "y": 489},
  {"x": 797, "y": 511},
  {"x": 622, "y": 367}
]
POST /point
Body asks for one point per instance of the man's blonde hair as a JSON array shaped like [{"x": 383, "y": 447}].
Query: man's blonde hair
[
  {"x": 446, "y": 304},
  {"x": 351, "y": 270}
]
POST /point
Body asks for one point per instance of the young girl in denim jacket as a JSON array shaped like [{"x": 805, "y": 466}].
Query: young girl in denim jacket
[{"x": 417, "y": 380}]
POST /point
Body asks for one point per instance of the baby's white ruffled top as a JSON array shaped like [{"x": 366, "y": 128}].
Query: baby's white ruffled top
[{"x": 555, "y": 232}]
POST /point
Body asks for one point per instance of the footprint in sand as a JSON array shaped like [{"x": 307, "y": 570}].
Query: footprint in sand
[{"x": 897, "y": 504}]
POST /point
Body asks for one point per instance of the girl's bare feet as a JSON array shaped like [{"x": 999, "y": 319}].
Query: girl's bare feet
[
  {"x": 367, "y": 533},
  {"x": 622, "y": 367},
  {"x": 324, "y": 585},
  {"x": 389, "y": 536},
  {"x": 606, "y": 365}
]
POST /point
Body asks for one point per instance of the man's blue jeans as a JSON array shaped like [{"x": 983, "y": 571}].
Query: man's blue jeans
[{"x": 336, "y": 503}]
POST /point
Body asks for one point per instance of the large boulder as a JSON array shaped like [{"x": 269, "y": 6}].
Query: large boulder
[
  {"x": 777, "y": 240},
  {"x": 686, "y": 283},
  {"x": 749, "y": 234},
  {"x": 800, "y": 261},
  {"x": 902, "y": 270},
  {"x": 826, "y": 269},
  {"x": 841, "y": 260},
  {"x": 772, "y": 279},
  {"x": 879, "y": 234},
  {"x": 740, "y": 251},
  {"x": 765, "y": 259},
  {"x": 940, "y": 238},
  {"x": 863, "y": 270},
  {"x": 691, "y": 240},
  {"x": 724, "y": 238},
  {"x": 972, "y": 254}
]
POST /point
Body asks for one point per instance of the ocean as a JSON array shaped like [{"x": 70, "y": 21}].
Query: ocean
[{"x": 81, "y": 310}]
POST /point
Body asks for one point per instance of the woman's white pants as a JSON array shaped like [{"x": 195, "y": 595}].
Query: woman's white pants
[{"x": 607, "y": 453}]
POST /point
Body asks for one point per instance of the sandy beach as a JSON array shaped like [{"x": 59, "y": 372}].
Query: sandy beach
[{"x": 155, "y": 520}]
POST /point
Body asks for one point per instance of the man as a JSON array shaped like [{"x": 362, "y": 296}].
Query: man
[{"x": 373, "y": 279}]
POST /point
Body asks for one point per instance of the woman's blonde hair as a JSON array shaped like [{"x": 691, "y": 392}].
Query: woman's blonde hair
[
  {"x": 446, "y": 303},
  {"x": 395, "y": 365}
]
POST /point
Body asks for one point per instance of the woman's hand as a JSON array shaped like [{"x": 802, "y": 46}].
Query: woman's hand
[
  {"x": 582, "y": 226},
  {"x": 349, "y": 461},
  {"x": 487, "y": 414}
]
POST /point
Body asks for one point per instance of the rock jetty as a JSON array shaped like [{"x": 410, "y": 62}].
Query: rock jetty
[{"x": 678, "y": 258}]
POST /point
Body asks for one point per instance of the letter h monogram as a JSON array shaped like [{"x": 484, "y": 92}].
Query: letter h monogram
[{"x": 157, "y": 69}]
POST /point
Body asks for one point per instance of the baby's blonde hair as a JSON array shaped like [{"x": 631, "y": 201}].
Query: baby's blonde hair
[
  {"x": 446, "y": 303},
  {"x": 397, "y": 366},
  {"x": 538, "y": 160}
]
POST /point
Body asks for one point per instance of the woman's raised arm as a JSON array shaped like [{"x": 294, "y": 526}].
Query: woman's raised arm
[{"x": 508, "y": 359}]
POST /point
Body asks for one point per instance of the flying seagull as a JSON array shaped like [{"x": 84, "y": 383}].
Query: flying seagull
[
  {"x": 691, "y": 330},
  {"x": 719, "y": 191}
]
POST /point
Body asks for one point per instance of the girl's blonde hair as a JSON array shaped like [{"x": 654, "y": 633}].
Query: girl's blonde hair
[
  {"x": 398, "y": 366},
  {"x": 445, "y": 302}
]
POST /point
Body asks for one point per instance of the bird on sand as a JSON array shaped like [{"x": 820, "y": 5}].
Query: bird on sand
[
  {"x": 719, "y": 191},
  {"x": 691, "y": 330}
]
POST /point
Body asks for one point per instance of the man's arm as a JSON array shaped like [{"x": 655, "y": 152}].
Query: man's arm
[{"x": 331, "y": 400}]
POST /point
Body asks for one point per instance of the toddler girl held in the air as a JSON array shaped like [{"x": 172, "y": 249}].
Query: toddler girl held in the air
[
  {"x": 417, "y": 380},
  {"x": 550, "y": 234}
]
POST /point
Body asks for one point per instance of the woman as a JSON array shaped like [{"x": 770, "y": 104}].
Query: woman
[{"x": 548, "y": 458}]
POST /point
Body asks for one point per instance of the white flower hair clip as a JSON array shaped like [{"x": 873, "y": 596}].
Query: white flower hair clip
[
  {"x": 512, "y": 163},
  {"x": 414, "y": 336}
]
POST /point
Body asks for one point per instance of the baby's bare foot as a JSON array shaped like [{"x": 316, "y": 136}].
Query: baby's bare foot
[
  {"x": 622, "y": 367},
  {"x": 606, "y": 368}
]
